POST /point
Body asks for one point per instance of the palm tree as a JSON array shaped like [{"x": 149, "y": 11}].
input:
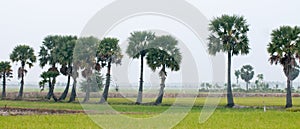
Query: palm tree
[
  {"x": 24, "y": 54},
  {"x": 65, "y": 53},
  {"x": 247, "y": 74},
  {"x": 138, "y": 48},
  {"x": 284, "y": 49},
  {"x": 49, "y": 55},
  {"x": 229, "y": 35},
  {"x": 237, "y": 74},
  {"x": 85, "y": 58},
  {"x": 163, "y": 54},
  {"x": 108, "y": 52},
  {"x": 5, "y": 72}
]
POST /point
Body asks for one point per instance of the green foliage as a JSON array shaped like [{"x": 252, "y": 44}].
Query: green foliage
[
  {"x": 164, "y": 53},
  {"x": 65, "y": 52},
  {"x": 46, "y": 77},
  {"x": 109, "y": 51},
  {"x": 247, "y": 73},
  {"x": 24, "y": 54},
  {"x": 85, "y": 54},
  {"x": 138, "y": 43},
  {"x": 228, "y": 34},
  {"x": 237, "y": 74},
  {"x": 96, "y": 83},
  {"x": 284, "y": 49},
  {"x": 5, "y": 69}
]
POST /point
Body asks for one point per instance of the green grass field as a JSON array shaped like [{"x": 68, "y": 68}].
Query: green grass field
[{"x": 221, "y": 118}]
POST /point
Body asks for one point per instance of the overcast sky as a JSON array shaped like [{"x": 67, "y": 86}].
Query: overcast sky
[{"x": 29, "y": 21}]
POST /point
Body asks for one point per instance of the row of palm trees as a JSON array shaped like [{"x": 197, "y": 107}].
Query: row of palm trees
[
  {"x": 228, "y": 34},
  {"x": 89, "y": 55}
]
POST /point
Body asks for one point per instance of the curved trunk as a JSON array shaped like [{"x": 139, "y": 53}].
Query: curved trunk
[
  {"x": 4, "y": 86},
  {"x": 20, "y": 95},
  {"x": 162, "y": 87},
  {"x": 73, "y": 93},
  {"x": 51, "y": 90},
  {"x": 107, "y": 83},
  {"x": 289, "y": 102},
  {"x": 65, "y": 93},
  {"x": 140, "y": 92},
  {"x": 230, "y": 102}
]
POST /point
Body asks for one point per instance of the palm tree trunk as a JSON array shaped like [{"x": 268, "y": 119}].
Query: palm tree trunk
[
  {"x": 48, "y": 94},
  {"x": 230, "y": 102},
  {"x": 20, "y": 96},
  {"x": 51, "y": 90},
  {"x": 65, "y": 93},
  {"x": 289, "y": 102},
  {"x": 73, "y": 93},
  {"x": 247, "y": 88},
  {"x": 140, "y": 93},
  {"x": 4, "y": 86},
  {"x": 107, "y": 83},
  {"x": 162, "y": 87},
  {"x": 87, "y": 90}
]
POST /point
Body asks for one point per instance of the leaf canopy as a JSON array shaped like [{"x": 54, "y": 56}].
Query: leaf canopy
[{"x": 228, "y": 34}]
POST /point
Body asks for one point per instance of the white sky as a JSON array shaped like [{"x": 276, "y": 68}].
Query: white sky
[{"x": 29, "y": 21}]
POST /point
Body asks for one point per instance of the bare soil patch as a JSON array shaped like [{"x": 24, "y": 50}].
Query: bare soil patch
[{"x": 9, "y": 111}]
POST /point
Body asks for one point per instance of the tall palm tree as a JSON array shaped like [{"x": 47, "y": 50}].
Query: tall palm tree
[
  {"x": 284, "y": 49},
  {"x": 24, "y": 54},
  {"x": 65, "y": 53},
  {"x": 247, "y": 74},
  {"x": 163, "y": 54},
  {"x": 138, "y": 48},
  {"x": 229, "y": 35},
  {"x": 48, "y": 54},
  {"x": 108, "y": 52},
  {"x": 84, "y": 59},
  {"x": 5, "y": 72}
]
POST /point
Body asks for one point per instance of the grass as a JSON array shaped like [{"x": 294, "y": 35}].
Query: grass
[{"x": 221, "y": 118}]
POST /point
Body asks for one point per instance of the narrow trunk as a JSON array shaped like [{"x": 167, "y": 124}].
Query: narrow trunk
[
  {"x": 73, "y": 93},
  {"x": 289, "y": 102},
  {"x": 107, "y": 83},
  {"x": 20, "y": 95},
  {"x": 230, "y": 102},
  {"x": 4, "y": 86},
  {"x": 247, "y": 88},
  {"x": 87, "y": 90},
  {"x": 162, "y": 87},
  {"x": 140, "y": 92},
  {"x": 65, "y": 93},
  {"x": 51, "y": 90}
]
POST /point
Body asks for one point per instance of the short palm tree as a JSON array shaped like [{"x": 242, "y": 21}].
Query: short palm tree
[
  {"x": 247, "y": 74},
  {"x": 84, "y": 59},
  {"x": 48, "y": 54},
  {"x": 108, "y": 52},
  {"x": 284, "y": 49},
  {"x": 25, "y": 55},
  {"x": 5, "y": 72},
  {"x": 229, "y": 35},
  {"x": 138, "y": 48},
  {"x": 163, "y": 54},
  {"x": 237, "y": 74}
]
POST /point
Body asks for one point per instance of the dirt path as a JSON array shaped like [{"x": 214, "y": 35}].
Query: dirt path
[{"x": 8, "y": 111}]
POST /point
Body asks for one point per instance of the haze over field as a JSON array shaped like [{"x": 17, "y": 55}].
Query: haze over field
[{"x": 31, "y": 20}]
